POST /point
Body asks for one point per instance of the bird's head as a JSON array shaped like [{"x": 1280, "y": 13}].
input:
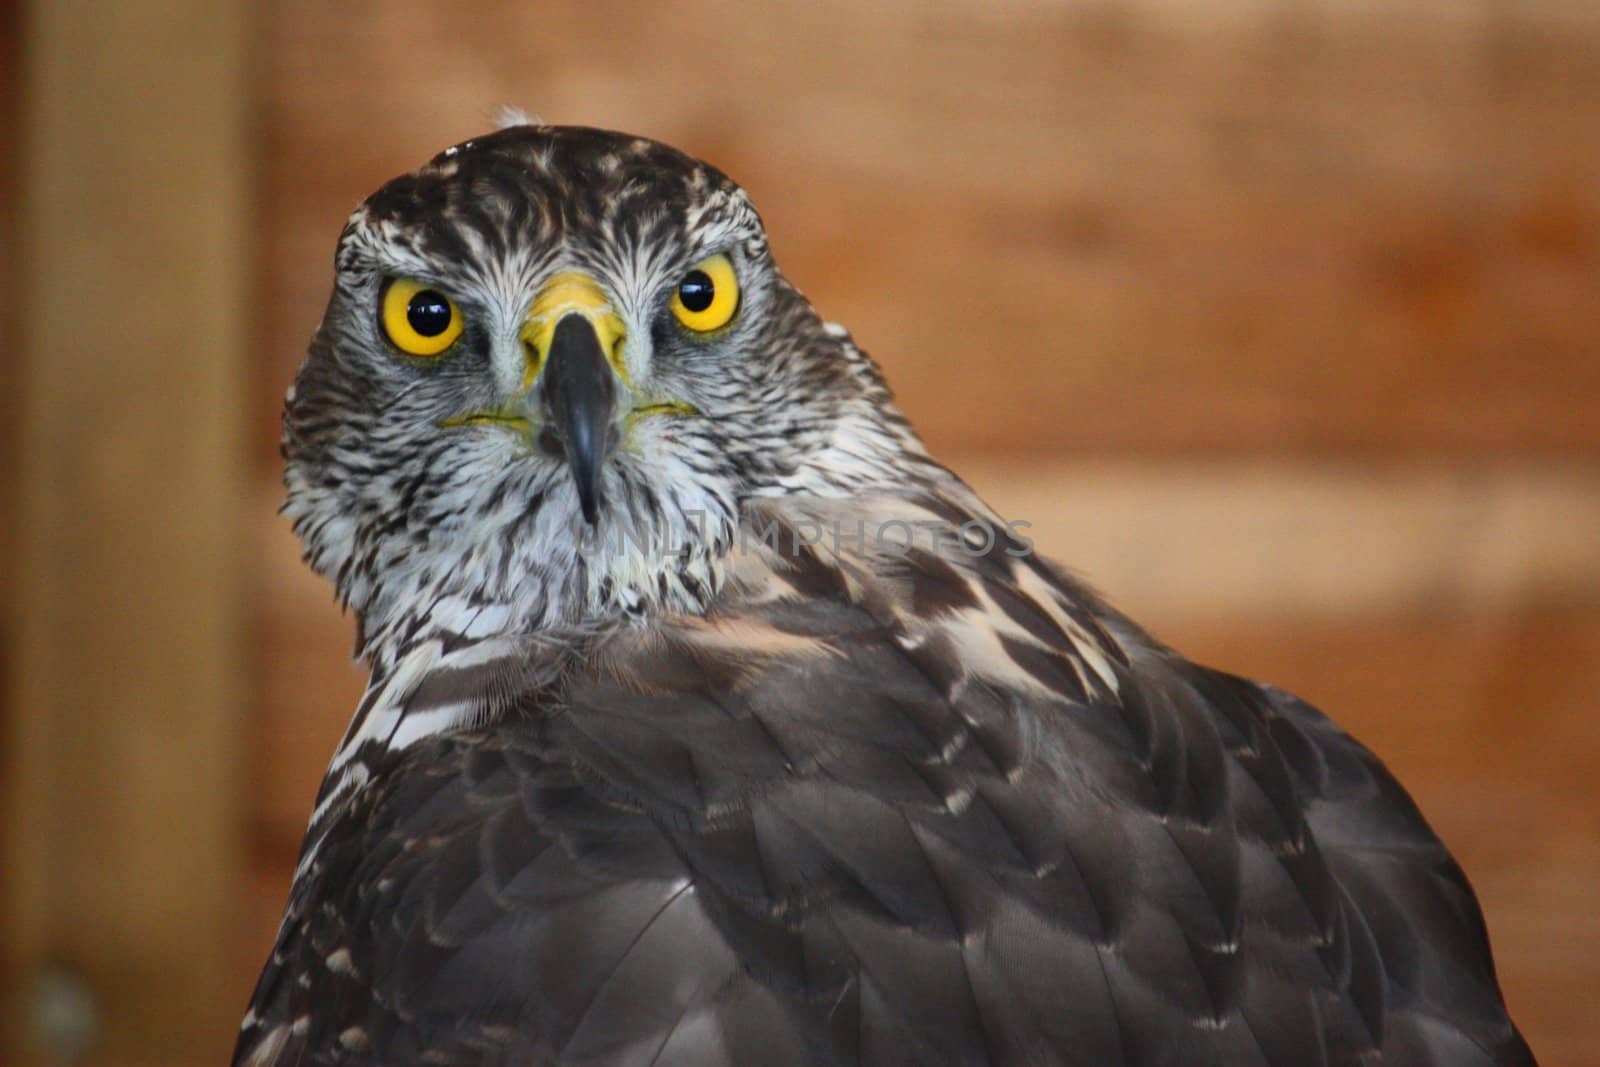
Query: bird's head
[{"x": 555, "y": 365}]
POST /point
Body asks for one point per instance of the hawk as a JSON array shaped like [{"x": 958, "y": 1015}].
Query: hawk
[{"x": 712, "y": 721}]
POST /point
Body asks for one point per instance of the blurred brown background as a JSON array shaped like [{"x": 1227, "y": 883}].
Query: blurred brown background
[{"x": 1279, "y": 319}]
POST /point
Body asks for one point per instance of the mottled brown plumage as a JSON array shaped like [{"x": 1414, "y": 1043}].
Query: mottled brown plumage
[{"x": 866, "y": 802}]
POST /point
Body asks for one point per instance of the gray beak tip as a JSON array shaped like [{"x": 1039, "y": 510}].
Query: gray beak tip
[
  {"x": 580, "y": 391},
  {"x": 590, "y": 505}
]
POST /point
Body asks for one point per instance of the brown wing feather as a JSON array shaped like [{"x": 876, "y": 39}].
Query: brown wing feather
[{"x": 923, "y": 810}]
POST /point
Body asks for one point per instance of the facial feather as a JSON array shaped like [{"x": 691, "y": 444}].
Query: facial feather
[{"x": 428, "y": 520}]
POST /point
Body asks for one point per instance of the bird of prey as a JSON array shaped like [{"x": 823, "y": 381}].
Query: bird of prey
[{"x": 712, "y": 721}]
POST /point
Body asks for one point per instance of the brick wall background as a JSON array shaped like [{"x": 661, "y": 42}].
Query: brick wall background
[{"x": 1278, "y": 319}]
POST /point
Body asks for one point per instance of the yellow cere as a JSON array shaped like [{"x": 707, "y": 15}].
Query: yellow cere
[
  {"x": 565, "y": 294},
  {"x": 708, "y": 295},
  {"x": 418, "y": 319}
]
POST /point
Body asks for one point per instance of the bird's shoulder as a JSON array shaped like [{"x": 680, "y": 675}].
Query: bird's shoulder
[{"x": 931, "y": 805}]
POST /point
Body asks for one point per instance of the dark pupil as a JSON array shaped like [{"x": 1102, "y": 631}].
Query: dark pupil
[
  {"x": 428, "y": 313},
  {"x": 696, "y": 291}
]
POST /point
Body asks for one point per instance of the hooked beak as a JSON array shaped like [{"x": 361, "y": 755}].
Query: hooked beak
[
  {"x": 580, "y": 400},
  {"x": 572, "y": 381}
]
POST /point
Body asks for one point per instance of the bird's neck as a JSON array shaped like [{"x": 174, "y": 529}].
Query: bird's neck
[
  {"x": 464, "y": 664},
  {"x": 557, "y": 580},
  {"x": 584, "y": 583}
]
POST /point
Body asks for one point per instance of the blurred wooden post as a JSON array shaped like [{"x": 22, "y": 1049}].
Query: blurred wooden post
[{"x": 122, "y": 861}]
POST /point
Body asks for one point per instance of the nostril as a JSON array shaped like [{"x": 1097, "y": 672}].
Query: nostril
[{"x": 549, "y": 442}]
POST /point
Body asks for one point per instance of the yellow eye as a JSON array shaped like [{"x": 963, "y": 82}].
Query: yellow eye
[
  {"x": 420, "y": 321},
  {"x": 708, "y": 295}
]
